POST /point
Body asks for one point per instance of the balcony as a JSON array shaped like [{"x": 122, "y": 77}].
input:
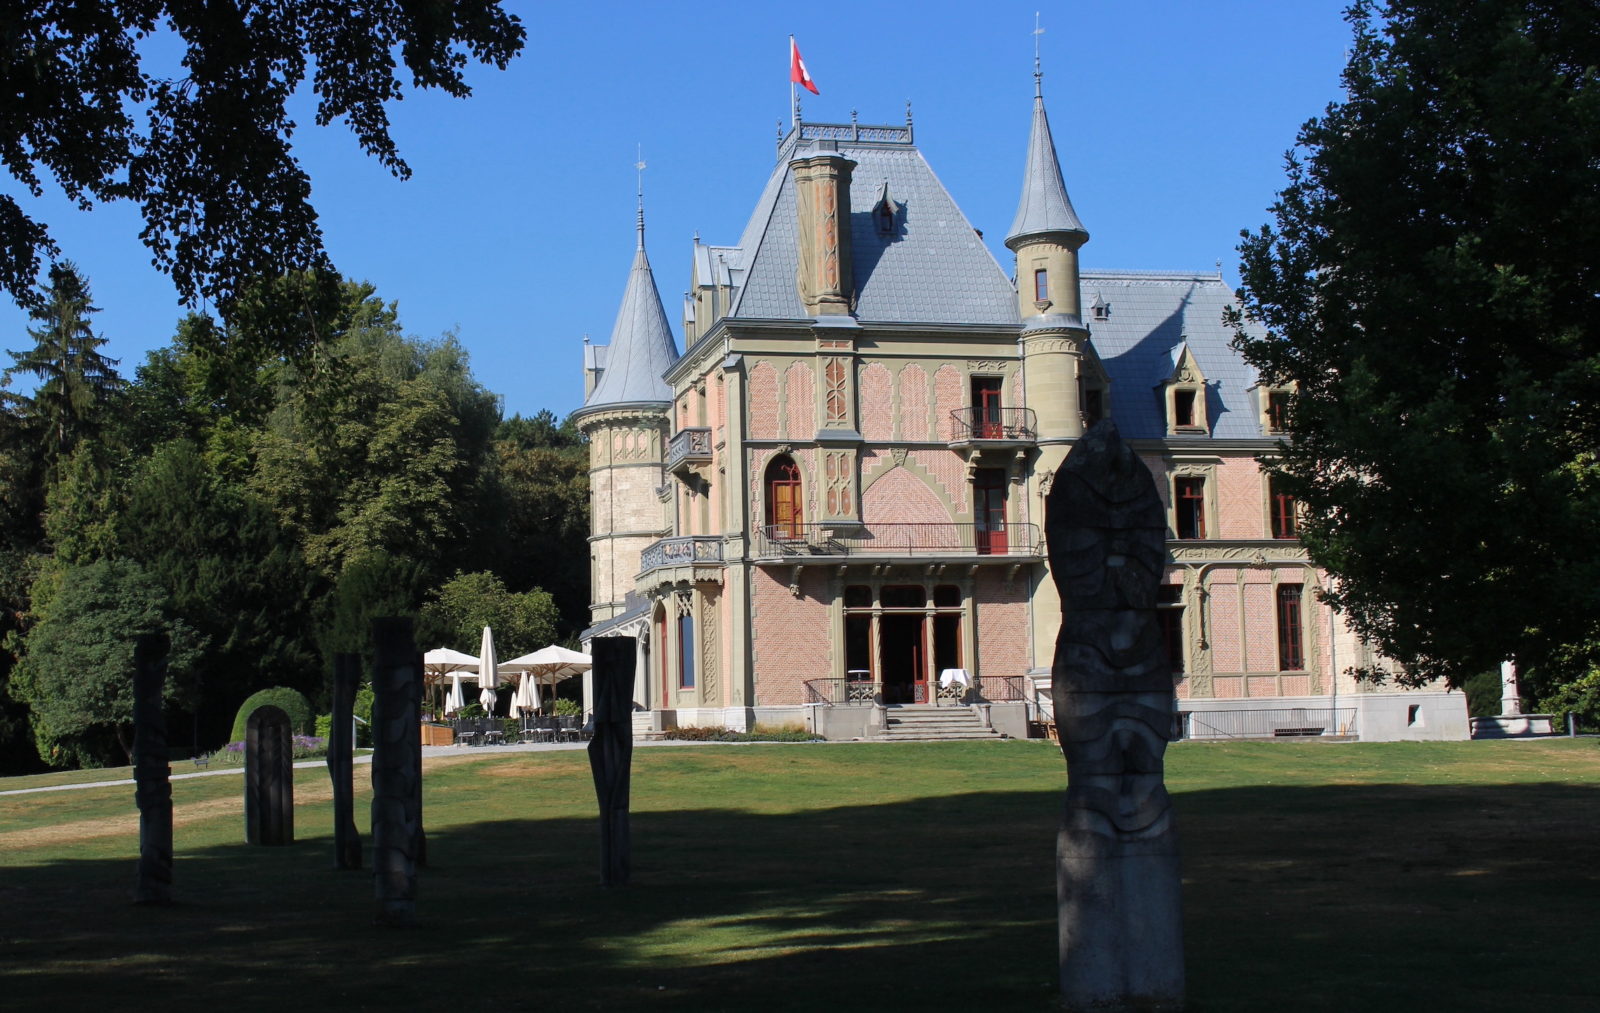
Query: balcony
[
  {"x": 898, "y": 539},
  {"x": 687, "y": 550},
  {"x": 689, "y": 451},
  {"x": 984, "y": 427}
]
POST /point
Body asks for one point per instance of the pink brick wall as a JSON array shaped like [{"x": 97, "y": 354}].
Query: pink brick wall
[
  {"x": 900, "y": 496},
  {"x": 1239, "y": 499},
  {"x": 950, "y": 472},
  {"x": 949, "y": 396},
  {"x": 1181, "y": 690},
  {"x": 1261, "y": 627},
  {"x": 875, "y": 397},
  {"x": 790, "y": 638},
  {"x": 801, "y": 408},
  {"x": 763, "y": 402},
  {"x": 872, "y": 462},
  {"x": 1262, "y": 685},
  {"x": 1002, "y": 622},
  {"x": 1227, "y": 687},
  {"x": 913, "y": 403},
  {"x": 1226, "y": 652},
  {"x": 1297, "y": 685}
]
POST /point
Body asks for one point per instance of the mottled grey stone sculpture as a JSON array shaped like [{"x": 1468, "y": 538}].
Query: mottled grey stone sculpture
[
  {"x": 396, "y": 770},
  {"x": 1117, "y": 878},
  {"x": 268, "y": 777},
  {"x": 341, "y": 745},
  {"x": 611, "y": 752},
  {"x": 151, "y": 771}
]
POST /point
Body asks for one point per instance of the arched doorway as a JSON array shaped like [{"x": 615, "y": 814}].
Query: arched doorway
[{"x": 785, "y": 500}]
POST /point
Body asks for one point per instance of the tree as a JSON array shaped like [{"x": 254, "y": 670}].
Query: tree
[
  {"x": 223, "y": 198},
  {"x": 77, "y": 672},
  {"x": 462, "y": 606},
  {"x": 1429, "y": 291},
  {"x": 75, "y": 382}
]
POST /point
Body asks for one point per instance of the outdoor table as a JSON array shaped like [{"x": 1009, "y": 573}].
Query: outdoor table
[{"x": 493, "y": 738}]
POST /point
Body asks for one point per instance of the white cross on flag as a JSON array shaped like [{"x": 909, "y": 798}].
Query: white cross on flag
[{"x": 797, "y": 69}]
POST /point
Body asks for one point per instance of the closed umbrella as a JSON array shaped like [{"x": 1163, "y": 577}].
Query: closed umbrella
[
  {"x": 456, "y": 700},
  {"x": 488, "y": 673},
  {"x": 524, "y": 701}
]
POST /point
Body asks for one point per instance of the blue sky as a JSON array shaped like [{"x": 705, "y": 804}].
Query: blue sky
[{"x": 1171, "y": 118}]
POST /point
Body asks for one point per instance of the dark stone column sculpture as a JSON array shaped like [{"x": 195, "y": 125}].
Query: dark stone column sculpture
[
  {"x": 396, "y": 770},
  {"x": 1117, "y": 878},
  {"x": 268, "y": 777},
  {"x": 151, "y": 771},
  {"x": 611, "y": 752},
  {"x": 341, "y": 757}
]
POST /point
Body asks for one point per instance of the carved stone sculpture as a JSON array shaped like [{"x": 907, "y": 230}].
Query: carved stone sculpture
[
  {"x": 396, "y": 770},
  {"x": 1117, "y": 878},
  {"x": 152, "y": 772},
  {"x": 341, "y": 744},
  {"x": 611, "y": 752},
  {"x": 268, "y": 777}
]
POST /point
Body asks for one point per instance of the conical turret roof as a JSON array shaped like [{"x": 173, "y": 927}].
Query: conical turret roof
[
  {"x": 642, "y": 346},
  {"x": 1045, "y": 206}
]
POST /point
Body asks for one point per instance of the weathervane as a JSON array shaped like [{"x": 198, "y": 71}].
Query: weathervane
[
  {"x": 1038, "y": 75},
  {"x": 639, "y": 168}
]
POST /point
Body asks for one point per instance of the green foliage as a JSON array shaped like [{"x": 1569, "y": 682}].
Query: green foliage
[
  {"x": 1483, "y": 694},
  {"x": 76, "y": 674},
  {"x": 362, "y": 708},
  {"x": 567, "y": 708},
  {"x": 324, "y": 726},
  {"x": 207, "y": 158},
  {"x": 460, "y": 608},
  {"x": 1579, "y": 697},
  {"x": 302, "y": 719},
  {"x": 373, "y": 586},
  {"x": 1428, "y": 288},
  {"x": 759, "y": 733}
]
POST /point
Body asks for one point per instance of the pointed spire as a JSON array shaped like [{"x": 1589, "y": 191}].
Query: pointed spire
[
  {"x": 642, "y": 346},
  {"x": 1045, "y": 206}
]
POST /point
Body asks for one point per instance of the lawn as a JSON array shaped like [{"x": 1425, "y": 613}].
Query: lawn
[{"x": 1459, "y": 876}]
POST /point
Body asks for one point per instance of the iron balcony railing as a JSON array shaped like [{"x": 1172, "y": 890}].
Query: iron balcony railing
[
  {"x": 982, "y": 422},
  {"x": 1266, "y": 723},
  {"x": 998, "y": 689},
  {"x": 898, "y": 538},
  {"x": 691, "y": 444},
  {"x": 679, "y": 551}
]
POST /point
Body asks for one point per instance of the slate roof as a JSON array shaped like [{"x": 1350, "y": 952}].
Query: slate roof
[
  {"x": 931, "y": 266},
  {"x": 642, "y": 346},
  {"x": 1152, "y": 314},
  {"x": 1044, "y": 206}
]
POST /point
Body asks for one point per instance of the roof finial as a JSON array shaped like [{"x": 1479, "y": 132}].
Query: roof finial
[
  {"x": 1038, "y": 75},
  {"x": 639, "y": 168}
]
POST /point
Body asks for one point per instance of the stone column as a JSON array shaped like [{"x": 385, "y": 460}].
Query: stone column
[
  {"x": 1117, "y": 880},
  {"x": 151, "y": 771},
  {"x": 1510, "y": 692},
  {"x": 611, "y": 753},
  {"x": 396, "y": 766},
  {"x": 341, "y": 748},
  {"x": 268, "y": 777}
]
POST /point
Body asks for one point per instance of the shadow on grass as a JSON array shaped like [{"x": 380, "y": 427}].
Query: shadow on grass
[{"x": 1312, "y": 898}]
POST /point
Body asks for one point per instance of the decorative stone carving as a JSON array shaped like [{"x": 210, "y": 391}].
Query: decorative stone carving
[
  {"x": 708, "y": 647},
  {"x": 346, "y": 839},
  {"x": 611, "y": 752},
  {"x": 396, "y": 770},
  {"x": 822, "y": 208},
  {"x": 268, "y": 777},
  {"x": 151, "y": 771},
  {"x": 1118, "y": 887}
]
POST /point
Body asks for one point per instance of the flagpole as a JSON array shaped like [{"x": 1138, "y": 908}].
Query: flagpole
[{"x": 794, "y": 102}]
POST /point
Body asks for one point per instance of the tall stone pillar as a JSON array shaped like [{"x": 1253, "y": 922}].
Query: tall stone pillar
[
  {"x": 611, "y": 753},
  {"x": 822, "y": 207},
  {"x": 152, "y": 771},
  {"x": 268, "y": 777},
  {"x": 396, "y": 770},
  {"x": 1510, "y": 692},
  {"x": 1117, "y": 879}
]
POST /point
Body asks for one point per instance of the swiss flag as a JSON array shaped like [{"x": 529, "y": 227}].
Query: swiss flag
[{"x": 797, "y": 69}]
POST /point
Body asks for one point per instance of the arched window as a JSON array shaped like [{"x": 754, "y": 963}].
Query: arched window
[{"x": 785, "y": 503}]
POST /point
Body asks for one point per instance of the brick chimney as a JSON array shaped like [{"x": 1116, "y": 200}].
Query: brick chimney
[{"x": 822, "y": 209}]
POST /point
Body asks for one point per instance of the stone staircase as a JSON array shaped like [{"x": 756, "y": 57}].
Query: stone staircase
[{"x": 923, "y": 723}]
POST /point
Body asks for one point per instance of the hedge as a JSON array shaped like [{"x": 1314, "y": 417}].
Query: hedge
[{"x": 302, "y": 721}]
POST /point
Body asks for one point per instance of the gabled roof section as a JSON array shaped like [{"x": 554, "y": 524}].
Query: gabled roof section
[
  {"x": 1045, "y": 207},
  {"x": 1156, "y": 320},
  {"x": 641, "y": 348},
  {"x": 929, "y": 267}
]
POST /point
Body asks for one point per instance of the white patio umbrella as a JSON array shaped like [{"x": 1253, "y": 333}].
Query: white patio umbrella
[
  {"x": 550, "y": 665},
  {"x": 443, "y": 661},
  {"x": 456, "y": 700},
  {"x": 524, "y": 701},
  {"x": 488, "y": 673}
]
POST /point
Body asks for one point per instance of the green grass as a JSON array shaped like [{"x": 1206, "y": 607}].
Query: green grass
[{"x": 1458, "y": 876}]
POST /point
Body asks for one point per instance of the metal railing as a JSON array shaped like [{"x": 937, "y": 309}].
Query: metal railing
[
  {"x": 999, "y": 688},
  {"x": 842, "y": 692},
  {"x": 692, "y": 443},
  {"x": 678, "y": 551},
  {"x": 898, "y": 538},
  {"x": 1266, "y": 723},
  {"x": 981, "y": 422}
]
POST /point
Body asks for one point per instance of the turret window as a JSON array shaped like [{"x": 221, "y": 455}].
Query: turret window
[{"x": 1041, "y": 285}]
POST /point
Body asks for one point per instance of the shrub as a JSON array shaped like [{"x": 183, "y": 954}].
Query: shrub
[
  {"x": 324, "y": 726},
  {"x": 760, "y": 733},
  {"x": 291, "y": 701},
  {"x": 567, "y": 708}
]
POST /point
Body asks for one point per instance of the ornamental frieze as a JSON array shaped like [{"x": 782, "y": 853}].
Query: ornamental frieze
[{"x": 1253, "y": 553}]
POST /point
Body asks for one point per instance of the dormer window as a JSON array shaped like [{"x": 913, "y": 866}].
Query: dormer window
[
  {"x": 1275, "y": 410},
  {"x": 884, "y": 212},
  {"x": 1100, "y": 309},
  {"x": 1185, "y": 396},
  {"x": 1183, "y": 408}
]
